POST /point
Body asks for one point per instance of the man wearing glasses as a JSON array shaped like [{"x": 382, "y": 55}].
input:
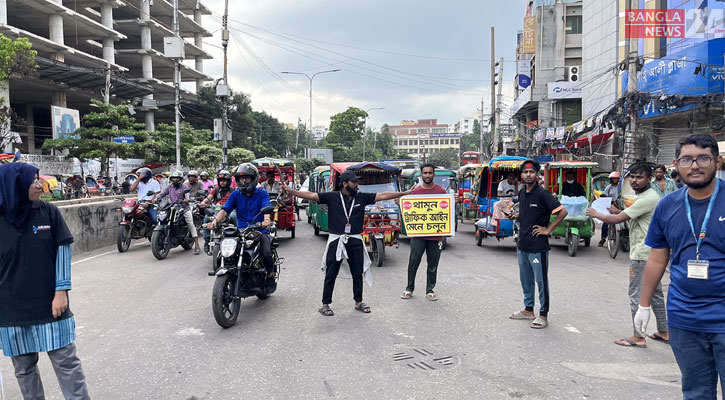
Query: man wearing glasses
[{"x": 688, "y": 227}]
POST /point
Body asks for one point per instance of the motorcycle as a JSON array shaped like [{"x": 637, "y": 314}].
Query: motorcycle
[
  {"x": 215, "y": 236},
  {"x": 136, "y": 223},
  {"x": 241, "y": 271},
  {"x": 171, "y": 229}
]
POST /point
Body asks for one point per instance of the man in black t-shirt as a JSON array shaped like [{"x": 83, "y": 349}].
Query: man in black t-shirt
[
  {"x": 535, "y": 208},
  {"x": 570, "y": 187},
  {"x": 346, "y": 211}
]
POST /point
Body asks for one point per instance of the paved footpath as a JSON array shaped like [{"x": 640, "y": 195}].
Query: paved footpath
[{"x": 146, "y": 331}]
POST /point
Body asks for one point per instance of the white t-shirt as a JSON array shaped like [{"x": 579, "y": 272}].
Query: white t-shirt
[
  {"x": 144, "y": 188},
  {"x": 507, "y": 188}
]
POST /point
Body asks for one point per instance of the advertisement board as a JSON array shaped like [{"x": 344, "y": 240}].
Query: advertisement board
[
  {"x": 524, "y": 72},
  {"x": 428, "y": 215},
  {"x": 65, "y": 121},
  {"x": 564, "y": 90},
  {"x": 529, "y": 38}
]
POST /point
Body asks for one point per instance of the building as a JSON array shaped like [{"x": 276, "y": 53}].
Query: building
[
  {"x": 424, "y": 136},
  {"x": 80, "y": 42},
  {"x": 319, "y": 133},
  {"x": 465, "y": 125}
]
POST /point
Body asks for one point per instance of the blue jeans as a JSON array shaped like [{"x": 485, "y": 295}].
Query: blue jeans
[
  {"x": 701, "y": 357},
  {"x": 534, "y": 270},
  {"x": 207, "y": 219},
  {"x": 153, "y": 212}
]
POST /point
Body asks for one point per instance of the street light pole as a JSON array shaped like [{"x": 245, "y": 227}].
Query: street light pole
[
  {"x": 366, "y": 125},
  {"x": 310, "y": 78}
]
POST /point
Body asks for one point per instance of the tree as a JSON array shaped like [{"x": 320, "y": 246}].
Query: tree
[
  {"x": 239, "y": 112},
  {"x": 163, "y": 147},
  {"x": 205, "y": 157},
  {"x": 470, "y": 142},
  {"x": 272, "y": 133},
  {"x": 16, "y": 59},
  {"x": 385, "y": 142},
  {"x": 264, "y": 150},
  {"x": 447, "y": 158},
  {"x": 95, "y": 138},
  {"x": 346, "y": 127},
  {"x": 306, "y": 165},
  {"x": 476, "y": 127},
  {"x": 238, "y": 156}
]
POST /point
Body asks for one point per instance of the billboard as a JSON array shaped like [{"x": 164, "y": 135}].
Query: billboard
[
  {"x": 529, "y": 38},
  {"x": 564, "y": 90},
  {"x": 65, "y": 122},
  {"x": 524, "y": 72}
]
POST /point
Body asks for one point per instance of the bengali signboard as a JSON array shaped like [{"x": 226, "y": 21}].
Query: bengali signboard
[
  {"x": 428, "y": 215},
  {"x": 529, "y": 38}
]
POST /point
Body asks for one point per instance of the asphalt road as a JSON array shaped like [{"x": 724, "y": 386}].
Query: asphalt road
[{"x": 146, "y": 331}]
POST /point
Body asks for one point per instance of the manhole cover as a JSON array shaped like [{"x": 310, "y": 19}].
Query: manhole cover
[{"x": 425, "y": 360}]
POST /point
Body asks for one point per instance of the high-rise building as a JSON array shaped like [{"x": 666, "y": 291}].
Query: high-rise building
[{"x": 423, "y": 137}]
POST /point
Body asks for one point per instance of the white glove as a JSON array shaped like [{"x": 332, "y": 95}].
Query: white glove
[{"x": 641, "y": 319}]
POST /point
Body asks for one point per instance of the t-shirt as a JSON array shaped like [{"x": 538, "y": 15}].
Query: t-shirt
[
  {"x": 692, "y": 304},
  {"x": 176, "y": 194},
  {"x": 27, "y": 266},
  {"x": 143, "y": 188},
  {"x": 611, "y": 191},
  {"x": 641, "y": 212},
  {"x": 247, "y": 206},
  {"x": 218, "y": 199},
  {"x": 195, "y": 187},
  {"x": 535, "y": 208},
  {"x": 574, "y": 189},
  {"x": 507, "y": 188},
  {"x": 207, "y": 184},
  {"x": 336, "y": 214},
  {"x": 437, "y": 189}
]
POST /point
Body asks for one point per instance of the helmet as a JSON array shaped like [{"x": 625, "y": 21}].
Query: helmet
[
  {"x": 146, "y": 172},
  {"x": 192, "y": 173},
  {"x": 174, "y": 181},
  {"x": 615, "y": 174},
  {"x": 224, "y": 174},
  {"x": 203, "y": 174},
  {"x": 247, "y": 169}
]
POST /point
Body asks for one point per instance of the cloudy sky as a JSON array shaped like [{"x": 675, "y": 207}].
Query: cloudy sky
[{"x": 416, "y": 58}]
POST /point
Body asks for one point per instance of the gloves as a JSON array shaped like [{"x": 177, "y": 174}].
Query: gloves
[{"x": 641, "y": 319}]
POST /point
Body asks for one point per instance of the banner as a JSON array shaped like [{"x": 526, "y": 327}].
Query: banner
[
  {"x": 564, "y": 90},
  {"x": 428, "y": 215},
  {"x": 560, "y": 133},
  {"x": 65, "y": 121},
  {"x": 550, "y": 133},
  {"x": 529, "y": 38},
  {"x": 524, "y": 72}
]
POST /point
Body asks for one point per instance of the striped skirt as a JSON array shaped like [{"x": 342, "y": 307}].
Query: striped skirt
[{"x": 19, "y": 340}]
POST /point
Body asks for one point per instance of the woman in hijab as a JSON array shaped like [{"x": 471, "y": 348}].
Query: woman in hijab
[{"x": 34, "y": 282}]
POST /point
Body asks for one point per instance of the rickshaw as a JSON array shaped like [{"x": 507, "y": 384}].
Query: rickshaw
[
  {"x": 490, "y": 222},
  {"x": 316, "y": 212},
  {"x": 381, "y": 226},
  {"x": 465, "y": 203},
  {"x": 599, "y": 183},
  {"x": 284, "y": 213},
  {"x": 447, "y": 179},
  {"x": 577, "y": 226}
]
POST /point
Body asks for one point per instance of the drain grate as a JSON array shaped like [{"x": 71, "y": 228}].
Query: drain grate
[{"x": 425, "y": 360}]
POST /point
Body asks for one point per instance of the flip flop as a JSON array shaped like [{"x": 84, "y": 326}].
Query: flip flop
[
  {"x": 363, "y": 308},
  {"x": 521, "y": 315},
  {"x": 630, "y": 343},
  {"x": 658, "y": 338},
  {"x": 326, "y": 311},
  {"x": 431, "y": 297},
  {"x": 539, "y": 323},
  {"x": 406, "y": 295}
]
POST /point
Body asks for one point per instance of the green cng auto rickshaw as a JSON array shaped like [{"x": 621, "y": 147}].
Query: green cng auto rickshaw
[
  {"x": 319, "y": 183},
  {"x": 576, "y": 226}
]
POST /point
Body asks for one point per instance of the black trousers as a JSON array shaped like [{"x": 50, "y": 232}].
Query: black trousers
[
  {"x": 265, "y": 247},
  {"x": 356, "y": 257}
]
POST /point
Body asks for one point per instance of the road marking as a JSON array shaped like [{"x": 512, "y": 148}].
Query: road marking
[
  {"x": 572, "y": 329},
  {"x": 403, "y": 335},
  {"x": 190, "y": 332},
  {"x": 666, "y": 374},
  {"x": 91, "y": 258}
]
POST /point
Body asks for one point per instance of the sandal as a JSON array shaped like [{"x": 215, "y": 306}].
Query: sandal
[
  {"x": 326, "y": 311},
  {"x": 406, "y": 295},
  {"x": 539, "y": 323},
  {"x": 630, "y": 343},
  {"x": 521, "y": 315},
  {"x": 197, "y": 252},
  {"x": 363, "y": 308},
  {"x": 658, "y": 338},
  {"x": 431, "y": 296}
]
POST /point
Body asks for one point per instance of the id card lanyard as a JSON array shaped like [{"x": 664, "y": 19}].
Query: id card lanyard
[
  {"x": 703, "y": 230},
  {"x": 348, "y": 227}
]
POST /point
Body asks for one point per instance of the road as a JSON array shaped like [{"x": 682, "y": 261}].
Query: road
[{"x": 146, "y": 331}]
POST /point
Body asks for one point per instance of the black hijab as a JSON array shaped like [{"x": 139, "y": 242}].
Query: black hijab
[{"x": 15, "y": 181}]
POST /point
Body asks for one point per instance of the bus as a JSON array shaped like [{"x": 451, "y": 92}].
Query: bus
[{"x": 470, "y": 157}]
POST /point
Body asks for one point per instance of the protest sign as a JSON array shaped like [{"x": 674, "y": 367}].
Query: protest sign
[{"x": 428, "y": 215}]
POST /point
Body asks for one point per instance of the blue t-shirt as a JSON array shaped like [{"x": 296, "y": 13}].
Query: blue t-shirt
[
  {"x": 692, "y": 304},
  {"x": 247, "y": 206}
]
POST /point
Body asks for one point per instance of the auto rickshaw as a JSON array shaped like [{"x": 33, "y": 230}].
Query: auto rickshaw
[
  {"x": 576, "y": 226},
  {"x": 494, "y": 221},
  {"x": 447, "y": 179},
  {"x": 284, "y": 214},
  {"x": 465, "y": 201},
  {"x": 381, "y": 226},
  {"x": 319, "y": 183}
]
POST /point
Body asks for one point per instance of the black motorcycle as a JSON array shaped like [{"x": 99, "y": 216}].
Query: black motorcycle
[
  {"x": 171, "y": 229},
  {"x": 241, "y": 271}
]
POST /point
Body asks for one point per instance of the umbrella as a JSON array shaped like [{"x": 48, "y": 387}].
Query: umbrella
[{"x": 52, "y": 182}]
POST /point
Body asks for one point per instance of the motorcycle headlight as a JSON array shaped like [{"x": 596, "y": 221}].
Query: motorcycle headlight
[
  {"x": 228, "y": 247},
  {"x": 162, "y": 215},
  {"x": 126, "y": 209}
]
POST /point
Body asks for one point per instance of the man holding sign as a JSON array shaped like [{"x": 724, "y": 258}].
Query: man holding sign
[{"x": 428, "y": 244}]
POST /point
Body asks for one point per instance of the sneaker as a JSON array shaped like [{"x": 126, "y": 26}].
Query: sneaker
[
  {"x": 601, "y": 243},
  {"x": 271, "y": 285},
  {"x": 206, "y": 249}
]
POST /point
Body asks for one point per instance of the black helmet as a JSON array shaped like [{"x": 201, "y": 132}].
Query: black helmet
[
  {"x": 224, "y": 174},
  {"x": 247, "y": 169},
  {"x": 147, "y": 172},
  {"x": 176, "y": 182}
]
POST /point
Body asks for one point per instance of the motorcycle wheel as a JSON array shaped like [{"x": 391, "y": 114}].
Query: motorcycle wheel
[
  {"x": 479, "y": 237},
  {"x": 215, "y": 259},
  {"x": 188, "y": 242},
  {"x": 572, "y": 244},
  {"x": 159, "y": 248},
  {"x": 293, "y": 232},
  {"x": 613, "y": 241},
  {"x": 123, "y": 238},
  {"x": 223, "y": 304}
]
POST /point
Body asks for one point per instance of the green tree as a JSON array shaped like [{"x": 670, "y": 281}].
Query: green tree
[
  {"x": 272, "y": 133},
  {"x": 401, "y": 155},
  {"x": 447, "y": 158},
  {"x": 385, "y": 142},
  {"x": 476, "y": 127},
  {"x": 264, "y": 150},
  {"x": 16, "y": 59},
  {"x": 95, "y": 138},
  {"x": 239, "y": 112},
  {"x": 163, "y": 147},
  {"x": 238, "y": 156},
  {"x": 307, "y": 165},
  {"x": 470, "y": 142},
  {"x": 347, "y": 126},
  {"x": 205, "y": 157}
]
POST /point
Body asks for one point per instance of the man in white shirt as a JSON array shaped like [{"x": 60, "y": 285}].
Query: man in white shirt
[
  {"x": 145, "y": 183},
  {"x": 509, "y": 187}
]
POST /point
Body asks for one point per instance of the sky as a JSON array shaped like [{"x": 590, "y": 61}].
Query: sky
[{"x": 417, "y": 59}]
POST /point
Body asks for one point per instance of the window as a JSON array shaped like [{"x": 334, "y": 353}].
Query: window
[{"x": 573, "y": 24}]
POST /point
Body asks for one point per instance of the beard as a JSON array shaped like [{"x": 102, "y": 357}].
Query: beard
[
  {"x": 699, "y": 185},
  {"x": 427, "y": 181}
]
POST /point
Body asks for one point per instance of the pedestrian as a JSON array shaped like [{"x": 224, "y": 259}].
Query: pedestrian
[
  {"x": 428, "y": 245},
  {"x": 688, "y": 230},
  {"x": 346, "y": 210},
  {"x": 676, "y": 177},
  {"x": 611, "y": 191},
  {"x": 536, "y": 205},
  {"x": 34, "y": 283},
  {"x": 639, "y": 215},
  {"x": 661, "y": 183}
]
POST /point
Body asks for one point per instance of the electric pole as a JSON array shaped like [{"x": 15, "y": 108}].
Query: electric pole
[
  {"x": 499, "y": 101},
  {"x": 632, "y": 146},
  {"x": 492, "y": 126},
  {"x": 177, "y": 78},
  {"x": 225, "y": 98}
]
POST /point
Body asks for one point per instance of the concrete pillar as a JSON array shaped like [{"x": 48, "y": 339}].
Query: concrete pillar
[
  {"x": 199, "y": 61},
  {"x": 3, "y": 12},
  {"x": 30, "y": 129},
  {"x": 149, "y": 121},
  {"x": 60, "y": 99},
  {"x": 146, "y": 61},
  {"x": 107, "y": 20},
  {"x": 5, "y": 96}
]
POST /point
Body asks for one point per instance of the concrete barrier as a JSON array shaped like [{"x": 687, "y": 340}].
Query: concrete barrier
[{"x": 94, "y": 224}]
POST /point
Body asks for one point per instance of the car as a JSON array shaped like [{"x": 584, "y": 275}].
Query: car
[{"x": 302, "y": 203}]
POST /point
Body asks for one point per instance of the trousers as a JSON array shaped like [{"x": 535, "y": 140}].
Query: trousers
[
  {"x": 189, "y": 217},
  {"x": 534, "y": 271},
  {"x": 636, "y": 274},
  {"x": 701, "y": 358},
  {"x": 67, "y": 368},
  {"x": 355, "y": 249},
  {"x": 433, "y": 254}
]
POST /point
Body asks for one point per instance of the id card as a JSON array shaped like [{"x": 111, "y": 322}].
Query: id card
[
  {"x": 698, "y": 269},
  {"x": 347, "y": 228}
]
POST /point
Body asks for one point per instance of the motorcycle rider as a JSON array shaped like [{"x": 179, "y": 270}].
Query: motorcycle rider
[
  {"x": 193, "y": 182},
  {"x": 218, "y": 196},
  {"x": 611, "y": 191},
  {"x": 205, "y": 181},
  {"x": 175, "y": 191},
  {"x": 248, "y": 200},
  {"x": 145, "y": 184}
]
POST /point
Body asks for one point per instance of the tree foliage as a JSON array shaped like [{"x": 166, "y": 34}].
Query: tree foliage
[
  {"x": 238, "y": 156},
  {"x": 346, "y": 127},
  {"x": 205, "y": 157},
  {"x": 307, "y": 165},
  {"x": 447, "y": 158},
  {"x": 16, "y": 59},
  {"x": 385, "y": 142},
  {"x": 272, "y": 133},
  {"x": 163, "y": 147},
  {"x": 94, "y": 139}
]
